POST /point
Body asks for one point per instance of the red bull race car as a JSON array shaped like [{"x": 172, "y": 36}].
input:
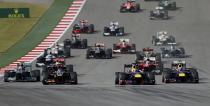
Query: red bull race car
[
  {"x": 133, "y": 75},
  {"x": 179, "y": 73}
]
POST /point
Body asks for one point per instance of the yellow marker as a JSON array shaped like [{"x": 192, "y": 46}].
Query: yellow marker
[
  {"x": 181, "y": 74},
  {"x": 137, "y": 75}
]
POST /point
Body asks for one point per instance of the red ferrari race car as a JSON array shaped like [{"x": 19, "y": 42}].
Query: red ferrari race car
[
  {"x": 130, "y": 6},
  {"x": 148, "y": 58},
  {"x": 83, "y": 27},
  {"x": 124, "y": 46}
]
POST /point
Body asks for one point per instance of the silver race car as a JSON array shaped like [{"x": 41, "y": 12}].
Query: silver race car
[
  {"x": 113, "y": 29},
  {"x": 162, "y": 38}
]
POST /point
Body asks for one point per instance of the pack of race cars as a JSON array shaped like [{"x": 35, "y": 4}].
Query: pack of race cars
[{"x": 145, "y": 67}]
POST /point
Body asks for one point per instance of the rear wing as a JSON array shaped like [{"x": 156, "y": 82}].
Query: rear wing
[
  {"x": 126, "y": 40},
  {"x": 99, "y": 44},
  {"x": 172, "y": 44}
]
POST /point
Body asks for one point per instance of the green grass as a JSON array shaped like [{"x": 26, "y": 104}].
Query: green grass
[
  {"x": 42, "y": 28},
  {"x": 12, "y": 30}
]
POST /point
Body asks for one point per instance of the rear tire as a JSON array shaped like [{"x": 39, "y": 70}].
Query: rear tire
[
  {"x": 84, "y": 43},
  {"x": 73, "y": 76},
  {"x": 45, "y": 77},
  {"x": 137, "y": 7},
  {"x": 121, "y": 30},
  {"x": 91, "y": 28},
  {"x": 195, "y": 77},
  {"x": 69, "y": 68},
  {"x": 117, "y": 78},
  {"x": 67, "y": 52},
  {"x": 151, "y": 78},
  {"x": 6, "y": 75},
  {"x": 122, "y": 78},
  {"x": 165, "y": 77},
  {"x": 87, "y": 54},
  {"x": 108, "y": 53},
  {"x": 133, "y": 47},
  {"x": 36, "y": 73},
  {"x": 154, "y": 40}
]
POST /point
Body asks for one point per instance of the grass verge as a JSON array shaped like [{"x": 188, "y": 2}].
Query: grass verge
[
  {"x": 13, "y": 29},
  {"x": 42, "y": 28}
]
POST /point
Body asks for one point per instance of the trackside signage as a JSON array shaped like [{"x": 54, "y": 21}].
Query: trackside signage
[{"x": 14, "y": 13}]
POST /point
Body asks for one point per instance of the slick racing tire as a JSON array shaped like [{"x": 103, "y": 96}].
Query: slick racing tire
[
  {"x": 117, "y": 78},
  {"x": 70, "y": 68},
  {"x": 73, "y": 76},
  {"x": 84, "y": 43},
  {"x": 122, "y": 78},
  {"x": 67, "y": 52}
]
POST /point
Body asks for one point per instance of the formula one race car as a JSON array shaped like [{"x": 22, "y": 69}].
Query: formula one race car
[
  {"x": 99, "y": 51},
  {"x": 124, "y": 46},
  {"x": 23, "y": 73},
  {"x": 147, "y": 58},
  {"x": 159, "y": 13},
  {"x": 167, "y": 4},
  {"x": 59, "y": 74},
  {"x": 133, "y": 75},
  {"x": 130, "y": 6},
  {"x": 113, "y": 29},
  {"x": 59, "y": 51},
  {"x": 76, "y": 42},
  {"x": 179, "y": 73},
  {"x": 162, "y": 38},
  {"x": 172, "y": 52},
  {"x": 83, "y": 27}
]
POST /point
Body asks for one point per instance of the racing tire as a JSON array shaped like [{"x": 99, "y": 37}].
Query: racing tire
[
  {"x": 139, "y": 56},
  {"x": 67, "y": 52},
  {"x": 87, "y": 54},
  {"x": 114, "y": 47},
  {"x": 91, "y": 28},
  {"x": 117, "y": 78},
  {"x": 69, "y": 68},
  {"x": 151, "y": 78},
  {"x": 36, "y": 73},
  {"x": 84, "y": 43},
  {"x": 137, "y": 8},
  {"x": 182, "y": 50},
  {"x": 106, "y": 30},
  {"x": 108, "y": 53},
  {"x": 122, "y": 78},
  {"x": 173, "y": 6},
  {"x": 73, "y": 76},
  {"x": 195, "y": 77},
  {"x": 121, "y": 30},
  {"x": 172, "y": 39},
  {"x": 166, "y": 77},
  {"x": 67, "y": 42},
  {"x": 154, "y": 40},
  {"x": 133, "y": 47},
  {"x": 44, "y": 77},
  {"x": 6, "y": 74},
  {"x": 122, "y": 10}
]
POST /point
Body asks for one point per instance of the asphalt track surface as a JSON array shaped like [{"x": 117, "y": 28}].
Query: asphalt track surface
[{"x": 189, "y": 24}]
